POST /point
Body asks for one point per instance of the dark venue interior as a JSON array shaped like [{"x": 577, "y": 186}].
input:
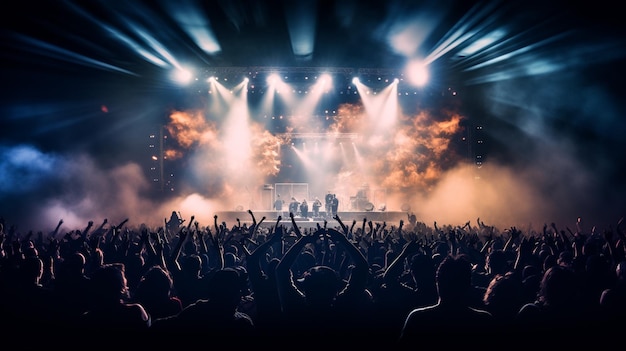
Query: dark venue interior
[{"x": 391, "y": 163}]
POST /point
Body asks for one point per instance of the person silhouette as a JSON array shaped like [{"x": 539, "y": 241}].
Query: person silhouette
[
  {"x": 334, "y": 205},
  {"x": 174, "y": 223},
  {"x": 328, "y": 204},
  {"x": 452, "y": 313},
  {"x": 278, "y": 206},
  {"x": 293, "y": 206},
  {"x": 304, "y": 209},
  {"x": 316, "y": 207}
]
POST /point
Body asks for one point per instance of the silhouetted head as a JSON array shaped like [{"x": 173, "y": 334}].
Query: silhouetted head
[
  {"x": 422, "y": 269},
  {"x": 620, "y": 270},
  {"x": 109, "y": 283},
  {"x": 454, "y": 279},
  {"x": 231, "y": 260},
  {"x": 271, "y": 267},
  {"x": 156, "y": 281},
  {"x": 504, "y": 295},
  {"x": 497, "y": 262},
  {"x": 304, "y": 262},
  {"x": 320, "y": 285},
  {"x": 31, "y": 269},
  {"x": 225, "y": 287},
  {"x": 75, "y": 263},
  {"x": 558, "y": 287},
  {"x": 191, "y": 264}
]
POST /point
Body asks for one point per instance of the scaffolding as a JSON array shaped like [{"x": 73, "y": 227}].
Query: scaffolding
[{"x": 298, "y": 191}]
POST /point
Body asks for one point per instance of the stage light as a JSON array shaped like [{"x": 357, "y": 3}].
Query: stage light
[
  {"x": 417, "y": 73},
  {"x": 325, "y": 80},
  {"x": 182, "y": 76},
  {"x": 272, "y": 79}
]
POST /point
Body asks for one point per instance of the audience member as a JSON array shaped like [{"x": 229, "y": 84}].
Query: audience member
[
  {"x": 452, "y": 314},
  {"x": 372, "y": 286}
]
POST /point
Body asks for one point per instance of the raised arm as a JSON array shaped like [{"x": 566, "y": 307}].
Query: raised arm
[
  {"x": 395, "y": 269},
  {"x": 100, "y": 230},
  {"x": 56, "y": 230},
  {"x": 83, "y": 234},
  {"x": 147, "y": 244},
  {"x": 201, "y": 238},
  {"x": 514, "y": 234},
  {"x": 295, "y": 225},
  {"x": 253, "y": 259},
  {"x": 159, "y": 250},
  {"x": 343, "y": 226},
  {"x": 287, "y": 289},
  {"x": 357, "y": 281},
  {"x": 216, "y": 244},
  {"x": 351, "y": 232},
  {"x": 173, "y": 263}
]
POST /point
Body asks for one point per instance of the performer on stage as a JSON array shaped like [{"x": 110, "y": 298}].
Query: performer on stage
[
  {"x": 174, "y": 222},
  {"x": 334, "y": 205},
  {"x": 304, "y": 209},
  {"x": 316, "y": 207},
  {"x": 328, "y": 202},
  {"x": 293, "y": 206},
  {"x": 278, "y": 206}
]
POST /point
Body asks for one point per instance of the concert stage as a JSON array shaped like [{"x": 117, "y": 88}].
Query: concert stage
[{"x": 390, "y": 217}]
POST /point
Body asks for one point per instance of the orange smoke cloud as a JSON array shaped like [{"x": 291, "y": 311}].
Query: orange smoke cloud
[
  {"x": 172, "y": 154},
  {"x": 350, "y": 119},
  {"x": 410, "y": 157},
  {"x": 265, "y": 155},
  {"x": 189, "y": 128}
]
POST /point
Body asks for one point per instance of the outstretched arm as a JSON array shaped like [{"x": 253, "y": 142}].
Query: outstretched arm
[
  {"x": 295, "y": 225},
  {"x": 100, "y": 230},
  {"x": 56, "y": 230},
  {"x": 357, "y": 281},
  {"x": 201, "y": 239},
  {"x": 396, "y": 267},
  {"x": 343, "y": 226},
  {"x": 351, "y": 232},
  {"x": 217, "y": 245},
  {"x": 83, "y": 234},
  {"x": 514, "y": 233},
  {"x": 182, "y": 236},
  {"x": 253, "y": 259},
  {"x": 287, "y": 289}
]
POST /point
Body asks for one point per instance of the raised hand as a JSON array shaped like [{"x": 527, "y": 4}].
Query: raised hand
[
  {"x": 145, "y": 235},
  {"x": 277, "y": 235},
  {"x": 515, "y": 233},
  {"x": 411, "y": 247},
  {"x": 182, "y": 234},
  {"x": 190, "y": 222},
  {"x": 527, "y": 246}
]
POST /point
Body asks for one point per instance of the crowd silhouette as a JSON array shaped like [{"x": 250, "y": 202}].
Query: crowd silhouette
[{"x": 365, "y": 285}]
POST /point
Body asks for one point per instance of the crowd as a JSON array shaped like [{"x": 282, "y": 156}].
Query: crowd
[{"x": 277, "y": 285}]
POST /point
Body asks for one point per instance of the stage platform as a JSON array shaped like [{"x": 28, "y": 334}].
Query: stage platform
[{"x": 390, "y": 217}]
